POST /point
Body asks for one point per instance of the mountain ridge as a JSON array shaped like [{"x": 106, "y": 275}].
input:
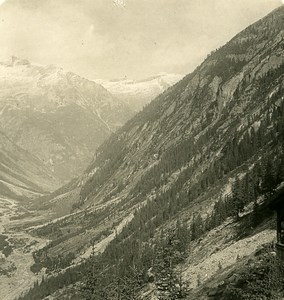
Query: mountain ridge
[
  {"x": 138, "y": 93},
  {"x": 38, "y": 106}
]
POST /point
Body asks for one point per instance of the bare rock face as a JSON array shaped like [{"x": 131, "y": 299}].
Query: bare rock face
[{"x": 58, "y": 117}]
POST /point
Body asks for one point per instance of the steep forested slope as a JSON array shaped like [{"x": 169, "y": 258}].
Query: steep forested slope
[{"x": 207, "y": 150}]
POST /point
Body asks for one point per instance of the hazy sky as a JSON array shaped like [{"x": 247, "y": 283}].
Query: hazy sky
[{"x": 116, "y": 38}]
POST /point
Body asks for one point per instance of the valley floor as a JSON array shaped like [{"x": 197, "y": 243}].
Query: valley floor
[{"x": 15, "y": 274}]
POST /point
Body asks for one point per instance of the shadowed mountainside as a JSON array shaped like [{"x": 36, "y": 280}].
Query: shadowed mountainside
[{"x": 21, "y": 174}]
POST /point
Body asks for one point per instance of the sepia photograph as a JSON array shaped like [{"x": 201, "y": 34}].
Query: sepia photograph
[{"x": 141, "y": 149}]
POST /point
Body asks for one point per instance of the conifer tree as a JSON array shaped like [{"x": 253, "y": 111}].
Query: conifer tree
[
  {"x": 238, "y": 197},
  {"x": 197, "y": 227}
]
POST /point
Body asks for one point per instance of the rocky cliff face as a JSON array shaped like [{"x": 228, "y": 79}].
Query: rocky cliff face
[
  {"x": 137, "y": 94},
  {"x": 57, "y": 116}
]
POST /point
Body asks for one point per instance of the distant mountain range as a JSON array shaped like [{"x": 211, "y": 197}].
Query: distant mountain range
[
  {"x": 139, "y": 93},
  {"x": 58, "y": 117},
  {"x": 197, "y": 157}
]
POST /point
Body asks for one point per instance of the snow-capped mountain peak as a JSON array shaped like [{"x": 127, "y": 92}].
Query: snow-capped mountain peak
[
  {"x": 138, "y": 93},
  {"x": 56, "y": 115}
]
